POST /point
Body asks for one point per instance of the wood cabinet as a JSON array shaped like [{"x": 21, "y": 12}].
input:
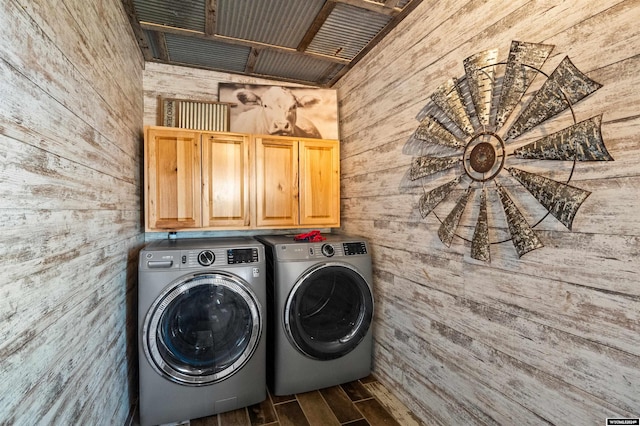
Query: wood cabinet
[
  {"x": 276, "y": 182},
  {"x": 297, "y": 182},
  {"x": 173, "y": 179},
  {"x": 225, "y": 180},
  {"x": 196, "y": 180},
  {"x": 218, "y": 180}
]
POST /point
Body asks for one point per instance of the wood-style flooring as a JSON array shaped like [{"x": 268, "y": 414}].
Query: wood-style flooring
[{"x": 359, "y": 403}]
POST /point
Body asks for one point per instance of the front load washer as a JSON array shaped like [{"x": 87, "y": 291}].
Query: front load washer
[
  {"x": 320, "y": 312},
  {"x": 201, "y": 319}
]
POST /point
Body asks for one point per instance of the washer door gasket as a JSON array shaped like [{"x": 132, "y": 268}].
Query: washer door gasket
[
  {"x": 203, "y": 328},
  {"x": 329, "y": 311}
]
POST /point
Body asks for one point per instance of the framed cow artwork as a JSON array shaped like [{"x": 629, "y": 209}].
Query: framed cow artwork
[{"x": 279, "y": 110}]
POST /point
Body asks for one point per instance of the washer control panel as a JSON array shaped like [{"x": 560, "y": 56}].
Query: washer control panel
[
  {"x": 208, "y": 258},
  {"x": 244, "y": 255}
]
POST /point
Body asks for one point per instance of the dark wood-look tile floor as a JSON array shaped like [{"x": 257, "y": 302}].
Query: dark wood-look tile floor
[{"x": 359, "y": 403}]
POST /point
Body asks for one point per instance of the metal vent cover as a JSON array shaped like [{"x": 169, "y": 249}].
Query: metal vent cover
[{"x": 190, "y": 114}]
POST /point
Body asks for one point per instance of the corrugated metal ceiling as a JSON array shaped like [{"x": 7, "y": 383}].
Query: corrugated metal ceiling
[
  {"x": 305, "y": 41},
  {"x": 347, "y": 31},
  {"x": 186, "y": 14},
  {"x": 276, "y": 22}
]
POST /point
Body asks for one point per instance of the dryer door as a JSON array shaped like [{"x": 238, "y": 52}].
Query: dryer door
[
  {"x": 329, "y": 311},
  {"x": 203, "y": 328}
]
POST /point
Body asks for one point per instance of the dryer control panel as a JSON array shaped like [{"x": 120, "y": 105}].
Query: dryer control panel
[
  {"x": 305, "y": 251},
  {"x": 354, "y": 248}
]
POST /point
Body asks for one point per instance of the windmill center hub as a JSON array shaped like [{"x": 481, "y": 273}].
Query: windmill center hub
[{"x": 482, "y": 157}]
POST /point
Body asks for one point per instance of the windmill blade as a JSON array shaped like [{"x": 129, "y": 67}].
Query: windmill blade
[
  {"x": 430, "y": 130},
  {"x": 560, "y": 199},
  {"x": 425, "y": 166},
  {"x": 449, "y": 99},
  {"x": 523, "y": 236},
  {"x": 582, "y": 142},
  {"x": 522, "y": 64},
  {"x": 480, "y": 71},
  {"x": 566, "y": 86},
  {"x": 480, "y": 244},
  {"x": 431, "y": 199},
  {"x": 448, "y": 226}
]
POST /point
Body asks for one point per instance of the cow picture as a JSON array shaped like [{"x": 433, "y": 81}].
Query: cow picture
[{"x": 284, "y": 111}]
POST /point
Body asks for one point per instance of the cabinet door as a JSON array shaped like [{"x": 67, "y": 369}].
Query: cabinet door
[
  {"x": 276, "y": 182},
  {"x": 172, "y": 176},
  {"x": 225, "y": 180},
  {"x": 319, "y": 182}
]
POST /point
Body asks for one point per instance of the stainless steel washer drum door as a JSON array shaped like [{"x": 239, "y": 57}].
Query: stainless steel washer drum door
[
  {"x": 329, "y": 311},
  {"x": 202, "y": 329}
]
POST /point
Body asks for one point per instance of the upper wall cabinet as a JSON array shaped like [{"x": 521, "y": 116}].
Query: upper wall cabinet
[
  {"x": 196, "y": 179},
  {"x": 225, "y": 180},
  {"x": 218, "y": 180},
  {"x": 173, "y": 179},
  {"x": 297, "y": 182},
  {"x": 277, "y": 182},
  {"x": 319, "y": 168}
]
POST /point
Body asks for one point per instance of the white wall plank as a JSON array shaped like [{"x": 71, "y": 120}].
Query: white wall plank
[
  {"x": 526, "y": 341},
  {"x": 70, "y": 137}
]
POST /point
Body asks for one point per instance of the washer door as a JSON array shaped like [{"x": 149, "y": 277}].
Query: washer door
[
  {"x": 329, "y": 311},
  {"x": 203, "y": 328}
]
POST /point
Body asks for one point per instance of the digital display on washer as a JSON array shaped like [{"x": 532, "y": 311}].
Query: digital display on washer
[
  {"x": 248, "y": 255},
  {"x": 354, "y": 248}
]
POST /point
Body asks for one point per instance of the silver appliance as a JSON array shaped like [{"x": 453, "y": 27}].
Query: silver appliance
[
  {"x": 201, "y": 327},
  {"x": 320, "y": 312}
]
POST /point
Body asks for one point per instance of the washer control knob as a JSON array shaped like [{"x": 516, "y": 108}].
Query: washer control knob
[
  {"x": 206, "y": 257},
  {"x": 328, "y": 250}
]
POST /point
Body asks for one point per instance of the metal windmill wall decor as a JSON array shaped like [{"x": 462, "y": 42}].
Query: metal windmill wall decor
[{"x": 478, "y": 123}]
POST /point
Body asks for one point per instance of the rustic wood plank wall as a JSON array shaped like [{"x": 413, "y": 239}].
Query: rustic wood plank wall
[
  {"x": 552, "y": 337},
  {"x": 70, "y": 146}
]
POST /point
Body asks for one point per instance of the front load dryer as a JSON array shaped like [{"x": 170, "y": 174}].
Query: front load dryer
[
  {"x": 320, "y": 312},
  {"x": 201, "y": 320}
]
